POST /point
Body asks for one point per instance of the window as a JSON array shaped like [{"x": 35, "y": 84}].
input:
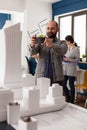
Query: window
[
  {"x": 75, "y": 24},
  {"x": 65, "y": 26},
  {"x": 80, "y": 32}
]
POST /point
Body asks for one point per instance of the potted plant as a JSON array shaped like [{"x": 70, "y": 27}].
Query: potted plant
[{"x": 83, "y": 57}]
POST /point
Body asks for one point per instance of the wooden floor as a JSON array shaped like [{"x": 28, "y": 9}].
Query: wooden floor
[
  {"x": 81, "y": 104},
  {"x": 81, "y": 101}
]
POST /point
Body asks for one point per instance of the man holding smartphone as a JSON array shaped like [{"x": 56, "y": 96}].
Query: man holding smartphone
[{"x": 51, "y": 48}]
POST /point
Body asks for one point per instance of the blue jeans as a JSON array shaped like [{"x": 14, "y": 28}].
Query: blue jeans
[{"x": 70, "y": 92}]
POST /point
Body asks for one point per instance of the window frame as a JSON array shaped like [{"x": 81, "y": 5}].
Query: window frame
[{"x": 72, "y": 24}]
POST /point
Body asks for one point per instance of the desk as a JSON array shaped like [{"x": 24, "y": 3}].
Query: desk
[
  {"x": 82, "y": 65},
  {"x": 69, "y": 118},
  {"x": 80, "y": 76}
]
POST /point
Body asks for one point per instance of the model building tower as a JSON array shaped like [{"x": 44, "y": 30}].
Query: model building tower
[
  {"x": 43, "y": 84},
  {"x": 55, "y": 94},
  {"x": 31, "y": 98}
]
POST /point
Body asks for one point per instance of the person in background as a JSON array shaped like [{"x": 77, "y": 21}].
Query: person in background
[
  {"x": 50, "y": 52},
  {"x": 70, "y": 61}
]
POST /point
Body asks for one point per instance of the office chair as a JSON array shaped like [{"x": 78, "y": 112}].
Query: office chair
[
  {"x": 31, "y": 64},
  {"x": 82, "y": 87}
]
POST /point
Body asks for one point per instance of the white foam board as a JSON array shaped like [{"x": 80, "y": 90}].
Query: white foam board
[
  {"x": 3, "y": 115},
  {"x": 55, "y": 100},
  {"x": 55, "y": 91},
  {"x": 18, "y": 93},
  {"x": 70, "y": 117},
  {"x": 28, "y": 80},
  {"x": 31, "y": 98},
  {"x": 4, "y": 89},
  {"x": 31, "y": 125},
  {"x": 10, "y": 65},
  {"x": 5, "y": 98},
  {"x": 44, "y": 107},
  {"x": 13, "y": 113},
  {"x": 43, "y": 84}
]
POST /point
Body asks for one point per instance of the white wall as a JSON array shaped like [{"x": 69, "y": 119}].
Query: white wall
[
  {"x": 12, "y": 5},
  {"x": 34, "y": 12}
]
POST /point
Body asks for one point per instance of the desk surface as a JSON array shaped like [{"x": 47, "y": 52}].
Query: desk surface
[
  {"x": 82, "y": 65},
  {"x": 81, "y": 62},
  {"x": 72, "y": 117}
]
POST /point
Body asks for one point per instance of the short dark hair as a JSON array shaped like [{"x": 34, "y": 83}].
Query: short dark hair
[{"x": 69, "y": 38}]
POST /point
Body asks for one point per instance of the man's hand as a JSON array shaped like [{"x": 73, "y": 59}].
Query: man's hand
[
  {"x": 67, "y": 59},
  {"x": 33, "y": 41},
  {"x": 48, "y": 42}
]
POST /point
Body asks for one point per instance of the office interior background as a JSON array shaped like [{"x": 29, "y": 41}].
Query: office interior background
[{"x": 34, "y": 14}]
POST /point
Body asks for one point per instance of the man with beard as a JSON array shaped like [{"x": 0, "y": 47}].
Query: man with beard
[{"x": 51, "y": 53}]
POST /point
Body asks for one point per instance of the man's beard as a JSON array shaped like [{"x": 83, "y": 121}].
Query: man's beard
[{"x": 51, "y": 35}]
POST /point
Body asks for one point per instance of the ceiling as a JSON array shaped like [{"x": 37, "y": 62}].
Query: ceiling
[{"x": 49, "y": 1}]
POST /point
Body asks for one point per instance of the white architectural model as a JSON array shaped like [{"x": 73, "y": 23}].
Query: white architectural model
[
  {"x": 33, "y": 98},
  {"x": 55, "y": 94},
  {"x": 36, "y": 104},
  {"x": 43, "y": 84},
  {"x": 10, "y": 66},
  {"x": 13, "y": 113},
  {"x": 28, "y": 80},
  {"x": 6, "y": 96},
  {"x": 27, "y": 123},
  {"x": 10, "y": 56}
]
